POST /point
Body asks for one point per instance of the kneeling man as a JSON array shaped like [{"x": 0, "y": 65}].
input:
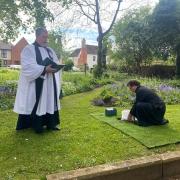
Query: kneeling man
[{"x": 149, "y": 108}]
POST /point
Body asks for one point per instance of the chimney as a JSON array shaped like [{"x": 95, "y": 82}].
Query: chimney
[{"x": 83, "y": 43}]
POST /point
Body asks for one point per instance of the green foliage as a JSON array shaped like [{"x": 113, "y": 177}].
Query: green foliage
[
  {"x": 132, "y": 35},
  {"x": 165, "y": 23},
  {"x": 65, "y": 3},
  {"x": 106, "y": 95},
  {"x": 8, "y": 74},
  {"x": 9, "y": 19},
  {"x": 114, "y": 95},
  {"x": 11, "y": 22},
  {"x": 97, "y": 71},
  {"x": 6, "y": 101},
  {"x": 69, "y": 64},
  {"x": 168, "y": 90},
  {"x": 123, "y": 97},
  {"x": 161, "y": 71},
  {"x": 78, "y": 82},
  {"x": 7, "y": 94},
  {"x": 72, "y": 83},
  {"x": 166, "y": 27},
  {"x": 55, "y": 42}
]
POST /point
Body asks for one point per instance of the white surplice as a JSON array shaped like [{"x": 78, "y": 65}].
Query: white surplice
[{"x": 26, "y": 93}]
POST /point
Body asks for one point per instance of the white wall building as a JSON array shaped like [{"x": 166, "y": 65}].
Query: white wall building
[{"x": 87, "y": 54}]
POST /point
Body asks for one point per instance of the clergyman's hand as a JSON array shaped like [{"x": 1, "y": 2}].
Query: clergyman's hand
[{"x": 49, "y": 69}]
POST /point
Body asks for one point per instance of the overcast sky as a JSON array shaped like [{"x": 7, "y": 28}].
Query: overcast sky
[{"x": 76, "y": 27}]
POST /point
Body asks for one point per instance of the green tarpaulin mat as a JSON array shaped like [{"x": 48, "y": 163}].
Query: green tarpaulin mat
[{"x": 151, "y": 136}]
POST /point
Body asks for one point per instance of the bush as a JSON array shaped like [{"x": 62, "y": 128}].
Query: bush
[
  {"x": 69, "y": 64},
  {"x": 6, "y": 102},
  {"x": 8, "y": 87},
  {"x": 114, "y": 95},
  {"x": 7, "y": 94},
  {"x": 97, "y": 72},
  {"x": 161, "y": 71}
]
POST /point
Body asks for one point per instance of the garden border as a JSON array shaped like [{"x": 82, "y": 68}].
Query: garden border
[{"x": 155, "y": 167}]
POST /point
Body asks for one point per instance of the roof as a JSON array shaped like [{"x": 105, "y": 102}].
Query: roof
[
  {"x": 75, "y": 53},
  {"x": 91, "y": 49},
  {"x": 4, "y": 45},
  {"x": 22, "y": 43}
]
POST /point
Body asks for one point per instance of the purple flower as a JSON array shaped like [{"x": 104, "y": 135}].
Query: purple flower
[{"x": 166, "y": 88}]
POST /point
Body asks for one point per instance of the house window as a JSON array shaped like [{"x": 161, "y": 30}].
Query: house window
[
  {"x": 5, "y": 62},
  {"x": 94, "y": 58},
  {"x": 4, "y": 53}
]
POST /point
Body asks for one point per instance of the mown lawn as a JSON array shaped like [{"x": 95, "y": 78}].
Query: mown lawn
[{"x": 83, "y": 141}]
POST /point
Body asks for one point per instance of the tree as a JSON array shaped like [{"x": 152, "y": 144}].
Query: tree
[
  {"x": 166, "y": 27},
  {"x": 55, "y": 42},
  {"x": 133, "y": 38},
  {"x": 92, "y": 10},
  {"x": 96, "y": 18},
  {"x": 9, "y": 19},
  {"x": 35, "y": 12}
]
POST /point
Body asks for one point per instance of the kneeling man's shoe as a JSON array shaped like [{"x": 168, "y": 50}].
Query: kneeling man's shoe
[
  {"x": 164, "y": 121},
  {"x": 56, "y": 129}
]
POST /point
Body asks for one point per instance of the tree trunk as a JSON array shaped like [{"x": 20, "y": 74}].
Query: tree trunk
[
  {"x": 99, "y": 70},
  {"x": 178, "y": 61},
  {"x": 99, "y": 58},
  {"x": 104, "y": 53}
]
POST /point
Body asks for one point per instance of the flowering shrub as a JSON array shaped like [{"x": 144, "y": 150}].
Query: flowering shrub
[
  {"x": 114, "y": 95},
  {"x": 170, "y": 95},
  {"x": 78, "y": 82},
  {"x": 119, "y": 95},
  {"x": 6, "y": 102}
]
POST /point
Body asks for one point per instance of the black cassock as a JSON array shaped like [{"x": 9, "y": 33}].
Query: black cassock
[{"x": 149, "y": 108}]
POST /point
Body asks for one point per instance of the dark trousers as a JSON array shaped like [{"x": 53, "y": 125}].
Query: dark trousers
[{"x": 148, "y": 114}]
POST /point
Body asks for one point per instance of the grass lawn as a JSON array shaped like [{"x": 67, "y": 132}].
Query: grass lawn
[{"x": 83, "y": 141}]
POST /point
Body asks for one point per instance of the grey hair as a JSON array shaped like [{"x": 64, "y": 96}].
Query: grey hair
[{"x": 40, "y": 30}]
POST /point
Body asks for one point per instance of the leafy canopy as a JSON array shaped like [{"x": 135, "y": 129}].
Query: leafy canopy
[{"x": 133, "y": 36}]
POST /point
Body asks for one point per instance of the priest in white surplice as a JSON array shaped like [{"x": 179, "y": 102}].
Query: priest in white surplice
[{"x": 37, "y": 98}]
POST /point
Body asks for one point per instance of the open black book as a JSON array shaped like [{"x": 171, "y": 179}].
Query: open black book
[{"x": 48, "y": 61}]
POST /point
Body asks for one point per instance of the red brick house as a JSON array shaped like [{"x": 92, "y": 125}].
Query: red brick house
[{"x": 16, "y": 51}]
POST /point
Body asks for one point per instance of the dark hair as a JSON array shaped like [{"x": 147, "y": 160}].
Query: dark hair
[
  {"x": 133, "y": 83},
  {"x": 40, "y": 30}
]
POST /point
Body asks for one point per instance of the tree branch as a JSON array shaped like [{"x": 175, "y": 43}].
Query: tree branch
[
  {"x": 84, "y": 13},
  {"x": 98, "y": 18},
  {"x": 115, "y": 15}
]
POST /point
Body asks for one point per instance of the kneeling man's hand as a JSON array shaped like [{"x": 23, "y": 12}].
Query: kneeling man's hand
[{"x": 130, "y": 117}]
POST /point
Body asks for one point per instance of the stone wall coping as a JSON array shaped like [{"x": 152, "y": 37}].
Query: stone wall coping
[
  {"x": 170, "y": 156},
  {"x": 117, "y": 167}
]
